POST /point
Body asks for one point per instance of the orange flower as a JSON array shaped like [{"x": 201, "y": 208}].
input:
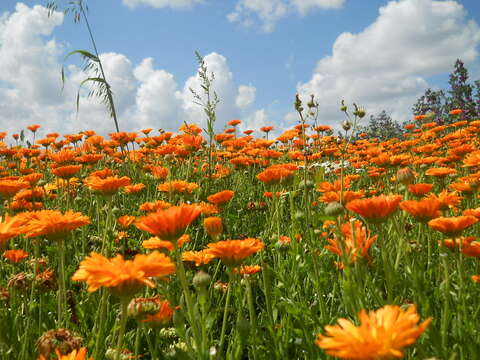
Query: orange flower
[
  {"x": 233, "y": 122},
  {"x": 198, "y": 257},
  {"x": 221, "y": 197},
  {"x": 15, "y": 256},
  {"x": 67, "y": 171},
  {"x": 472, "y": 159},
  {"x": 9, "y": 188},
  {"x": 452, "y": 226},
  {"x": 382, "y": 334},
  {"x": 126, "y": 220},
  {"x": 354, "y": 244},
  {"x": 157, "y": 243},
  {"x": 422, "y": 210},
  {"x": 440, "y": 171},
  {"x": 161, "y": 318},
  {"x": 178, "y": 186},
  {"x": 123, "y": 277},
  {"x": 375, "y": 209},
  {"x": 419, "y": 189},
  {"x": 473, "y": 212},
  {"x": 33, "y": 128},
  {"x": 133, "y": 189},
  {"x": 108, "y": 185},
  {"x": 9, "y": 228},
  {"x": 456, "y": 112},
  {"x": 266, "y": 129},
  {"x": 213, "y": 226},
  {"x": 154, "y": 206},
  {"x": 275, "y": 175},
  {"x": 53, "y": 224},
  {"x": 233, "y": 252},
  {"x": 247, "y": 269},
  {"x": 346, "y": 196},
  {"x": 74, "y": 355},
  {"x": 447, "y": 199},
  {"x": 169, "y": 224}
]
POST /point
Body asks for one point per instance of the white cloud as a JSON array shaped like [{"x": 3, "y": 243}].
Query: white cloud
[
  {"x": 31, "y": 87},
  {"x": 255, "y": 121},
  {"x": 386, "y": 66},
  {"x": 246, "y": 96},
  {"x": 175, "y": 4},
  {"x": 270, "y": 11}
]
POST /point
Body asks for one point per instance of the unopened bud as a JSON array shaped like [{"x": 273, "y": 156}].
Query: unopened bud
[
  {"x": 405, "y": 176},
  {"x": 346, "y": 125},
  {"x": 201, "y": 279},
  {"x": 334, "y": 208}
]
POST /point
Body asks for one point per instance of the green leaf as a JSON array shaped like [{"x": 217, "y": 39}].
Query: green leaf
[{"x": 84, "y": 53}]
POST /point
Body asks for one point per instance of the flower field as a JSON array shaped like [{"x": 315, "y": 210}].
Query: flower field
[{"x": 155, "y": 245}]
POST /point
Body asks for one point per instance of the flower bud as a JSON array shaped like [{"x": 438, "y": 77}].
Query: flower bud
[
  {"x": 346, "y": 125},
  {"x": 334, "y": 208},
  {"x": 405, "y": 176},
  {"x": 201, "y": 279}
]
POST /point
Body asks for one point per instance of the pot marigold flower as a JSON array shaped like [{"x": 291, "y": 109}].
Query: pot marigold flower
[
  {"x": 67, "y": 171},
  {"x": 266, "y": 129},
  {"x": 472, "y": 159},
  {"x": 233, "y": 122},
  {"x": 9, "y": 228},
  {"x": 422, "y": 210},
  {"x": 15, "y": 256},
  {"x": 472, "y": 212},
  {"x": 221, "y": 197},
  {"x": 133, "y": 189},
  {"x": 440, "y": 171},
  {"x": 33, "y": 128},
  {"x": 275, "y": 175},
  {"x": 123, "y": 277},
  {"x": 354, "y": 244},
  {"x": 154, "y": 206},
  {"x": 247, "y": 269},
  {"x": 213, "y": 226},
  {"x": 455, "y": 112},
  {"x": 202, "y": 257},
  {"x": 233, "y": 252},
  {"x": 178, "y": 186},
  {"x": 108, "y": 185},
  {"x": 80, "y": 354},
  {"x": 382, "y": 334},
  {"x": 375, "y": 209},
  {"x": 52, "y": 223},
  {"x": 169, "y": 224},
  {"x": 8, "y": 188},
  {"x": 452, "y": 226},
  {"x": 126, "y": 220},
  {"x": 157, "y": 243},
  {"x": 162, "y": 318},
  {"x": 346, "y": 196},
  {"x": 447, "y": 199}
]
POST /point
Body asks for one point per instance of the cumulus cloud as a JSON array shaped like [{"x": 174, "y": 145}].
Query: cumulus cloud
[
  {"x": 270, "y": 11},
  {"x": 175, "y": 4},
  {"x": 246, "y": 96},
  {"x": 387, "y": 65},
  {"x": 145, "y": 96}
]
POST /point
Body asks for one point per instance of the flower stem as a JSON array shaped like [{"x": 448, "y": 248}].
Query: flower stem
[
  {"x": 225, "y": 311},
  {"x": 62, "y": 294},
  {"x": 123, "y": 323}
]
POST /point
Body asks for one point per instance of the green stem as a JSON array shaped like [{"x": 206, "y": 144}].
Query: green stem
[
  {"x": 123, "y": 324},
  {"x": 62, "y": 294},
  {"x": 253, "y": 317},
  {"x": 225, "y": 311}
]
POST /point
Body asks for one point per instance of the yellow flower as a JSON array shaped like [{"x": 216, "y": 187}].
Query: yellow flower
[{"x": 382, "y": 334}]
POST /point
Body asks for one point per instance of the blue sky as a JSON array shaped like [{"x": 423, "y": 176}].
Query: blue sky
[{"x": 381, "y": 54}]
